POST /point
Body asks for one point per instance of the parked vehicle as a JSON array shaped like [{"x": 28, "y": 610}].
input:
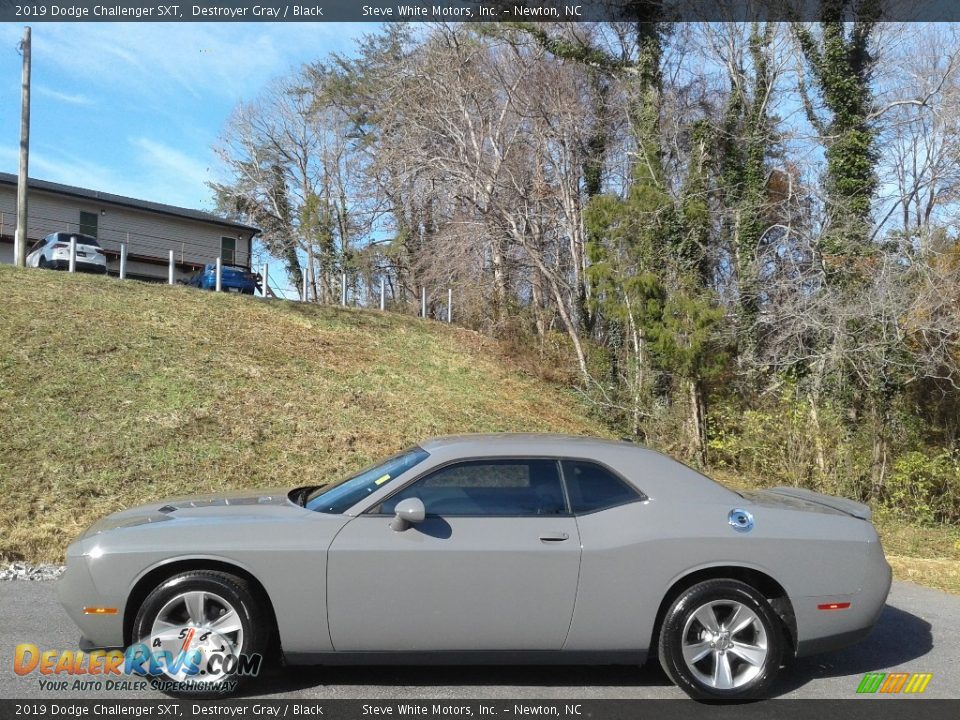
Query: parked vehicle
[
  {"x": 233, "y": 278},
  {"x": 516, "y": 547},
  {"x": 54, "y": 252}
]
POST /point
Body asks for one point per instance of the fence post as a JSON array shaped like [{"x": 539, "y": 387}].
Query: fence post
[
  {"x": 306, "y": 280},
  {"x": 449, "y": 305},
  {"x": 423, "y": 302},
  {"x": 73, "y": 253},
  {"x": 123, "y": 261},
  {"x": 383, "y": 294},
  {"x": 219, "y": 274},
  {"x": 170, "y": 272},
  {"x": 265, "y": 280}
]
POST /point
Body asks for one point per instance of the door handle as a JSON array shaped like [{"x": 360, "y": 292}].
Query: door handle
[{"x": 554, "y": 537}]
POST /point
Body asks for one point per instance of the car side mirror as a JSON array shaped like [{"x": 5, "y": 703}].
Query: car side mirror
[{"x": 408, "y": 512}]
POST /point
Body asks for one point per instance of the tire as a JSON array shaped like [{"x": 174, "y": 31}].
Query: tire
[
  {"x": 42, "y": 263},
  {"x": 704, "y": 658},
  {"x": 218, "y": 602}
]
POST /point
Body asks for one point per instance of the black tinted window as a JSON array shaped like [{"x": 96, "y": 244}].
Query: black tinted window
[
  {"x": 489, "y": 487},
  {"x": 81, "y": 239},
  {"x": 593, "y": 487}
]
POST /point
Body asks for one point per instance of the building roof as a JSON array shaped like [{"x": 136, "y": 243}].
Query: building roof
[{"x": 146, "y": 205}]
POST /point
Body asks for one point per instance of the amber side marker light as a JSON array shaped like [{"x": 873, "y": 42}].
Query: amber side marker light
[
  {"x": 833, "y": 606},
  {"x": 99, "y": 611}
]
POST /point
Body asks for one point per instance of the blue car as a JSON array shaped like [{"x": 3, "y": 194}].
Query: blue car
[{"x": 232, "y": 279}]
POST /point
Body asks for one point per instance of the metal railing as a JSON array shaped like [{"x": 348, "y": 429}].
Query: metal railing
[{"x": 199, "y": 257}]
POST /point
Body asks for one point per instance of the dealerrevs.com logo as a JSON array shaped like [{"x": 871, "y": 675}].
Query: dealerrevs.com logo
[
  {"x": 894, "y": 683},
  {"x": 182, "y": 660}
]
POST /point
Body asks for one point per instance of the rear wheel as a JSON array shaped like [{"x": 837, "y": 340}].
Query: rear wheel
[
  {"x": 721, "y": 640},
  {"x": 205, "y": 620}
]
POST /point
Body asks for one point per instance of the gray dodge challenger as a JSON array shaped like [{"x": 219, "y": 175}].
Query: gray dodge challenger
[{"x": 507, "y": 548}]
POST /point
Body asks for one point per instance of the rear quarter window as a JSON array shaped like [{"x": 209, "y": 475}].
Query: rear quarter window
[{"x": 593, "y": 487}]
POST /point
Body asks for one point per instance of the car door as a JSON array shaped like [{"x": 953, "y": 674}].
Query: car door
[{"x": 493, "y": 566}]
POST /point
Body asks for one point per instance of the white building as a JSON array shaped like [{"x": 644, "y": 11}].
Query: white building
[{"x": 150, "y": 230}]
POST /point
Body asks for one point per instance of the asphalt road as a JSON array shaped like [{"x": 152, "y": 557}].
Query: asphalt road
[{"x": 919, "y": 631}]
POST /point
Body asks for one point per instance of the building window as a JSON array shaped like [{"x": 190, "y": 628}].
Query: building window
[
  {"x": 228, "y": 250},
  {"x": 88, "y": 223}
]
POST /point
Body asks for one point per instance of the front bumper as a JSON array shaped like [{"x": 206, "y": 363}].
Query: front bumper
[{"x": 76, "y": 591}]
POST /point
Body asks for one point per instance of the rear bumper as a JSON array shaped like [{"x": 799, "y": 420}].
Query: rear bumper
[
  {"x": 823, "y": 630},
  {"x": 226, "y": 285},
  {"x": 82, "y": 265}
]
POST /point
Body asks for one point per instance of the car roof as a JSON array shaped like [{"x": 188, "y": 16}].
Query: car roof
[
  {"x": 655, "y": 474},
  {"x": 501, "y": 443}
]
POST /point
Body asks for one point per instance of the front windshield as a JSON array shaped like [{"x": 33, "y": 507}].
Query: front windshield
[{"x": 346, "y": 493}]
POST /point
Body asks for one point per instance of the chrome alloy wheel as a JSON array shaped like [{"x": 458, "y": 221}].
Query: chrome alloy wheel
[
  {"x": 197, "y": 621},
  {"x": 724, "y": 644}
]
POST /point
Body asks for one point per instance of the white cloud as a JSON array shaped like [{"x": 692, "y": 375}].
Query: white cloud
[
  {"x": 168, "y": 159},
  {"x": 61, "y": 168},
  {"x": 162, "y": 59},
  {"x": 170, "y": 175},
  {"x": 63, "y": 97},
  {"x": 159, "y": 173},
  {"x": 167, "y": 88}
]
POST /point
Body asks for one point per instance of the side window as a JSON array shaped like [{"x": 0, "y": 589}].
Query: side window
[
  {"x": 593, "y": 487},
  {"x": 228, "y": 250},
  {"x": 488, "y": 487},
  {"x": 88, "y": 223}
]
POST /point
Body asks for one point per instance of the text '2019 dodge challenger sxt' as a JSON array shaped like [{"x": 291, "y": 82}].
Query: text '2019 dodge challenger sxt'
[{"x": 479, "y": 548}]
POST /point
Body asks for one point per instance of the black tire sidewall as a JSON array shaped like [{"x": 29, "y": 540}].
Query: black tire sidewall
[
  {"x": 232, "y": 589},
  {"x": 670, "y": 643}
]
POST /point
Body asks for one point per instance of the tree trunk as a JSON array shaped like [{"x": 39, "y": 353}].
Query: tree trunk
[
  {"x": 881, "y": 448},
  {"x": 698, "y": 423},
  {"x": 536, "y": 300},
  {"x": 817, "y": 435},
  {"x": 499, "y": 280}
]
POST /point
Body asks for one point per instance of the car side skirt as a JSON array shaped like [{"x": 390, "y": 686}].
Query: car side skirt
[{"x": 475, "y": 657}]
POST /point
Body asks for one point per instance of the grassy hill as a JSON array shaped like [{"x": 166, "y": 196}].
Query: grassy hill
[{"x": 115, "y": 393}]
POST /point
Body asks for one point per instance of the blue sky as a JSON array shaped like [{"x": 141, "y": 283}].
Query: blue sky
[{"x": 135, "y": 109}]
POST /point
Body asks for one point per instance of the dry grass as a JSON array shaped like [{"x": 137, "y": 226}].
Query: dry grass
[
  {"x": 925, "y": 555},
  {"x": 941, "y": 574},
  {"x": 117, "y": 393}
]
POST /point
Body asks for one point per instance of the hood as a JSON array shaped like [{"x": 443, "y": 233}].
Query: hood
[
  {"x": 810, "y": 501},
  {"x": 228, "y": 504}
]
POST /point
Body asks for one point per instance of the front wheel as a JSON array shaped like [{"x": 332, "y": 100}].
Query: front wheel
[
  {"x": 721, "y": 640},
  {"x": 200, "y": 633}
]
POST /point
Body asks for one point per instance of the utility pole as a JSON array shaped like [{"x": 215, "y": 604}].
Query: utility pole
[{"x": 20, "y": 239}]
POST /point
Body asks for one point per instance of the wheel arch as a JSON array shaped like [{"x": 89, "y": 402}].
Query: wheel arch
[
  {"x": 158, "y": 574},
  {"x": 760, "y": 580}
]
